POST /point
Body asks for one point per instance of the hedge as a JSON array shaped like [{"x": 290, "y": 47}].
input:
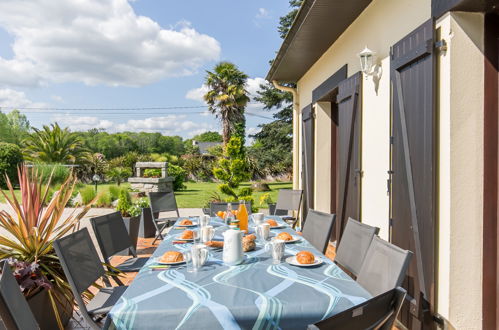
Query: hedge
[{"x": 10, "y": 158}]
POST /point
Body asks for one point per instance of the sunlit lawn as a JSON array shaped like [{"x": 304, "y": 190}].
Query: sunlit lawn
[{"x": 198, "y": 194}]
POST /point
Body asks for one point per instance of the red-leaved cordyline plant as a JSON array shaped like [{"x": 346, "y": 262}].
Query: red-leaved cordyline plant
[{"x": 32, "y": 227}]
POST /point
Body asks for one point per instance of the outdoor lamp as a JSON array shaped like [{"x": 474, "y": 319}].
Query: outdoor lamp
[
  {"x": 96, "y": 179},
  {"x": 367, "y": 58}
]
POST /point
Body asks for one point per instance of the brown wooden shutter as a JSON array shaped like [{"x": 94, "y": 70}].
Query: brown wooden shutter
[
  {"x": 349, "y": 150},
  {"x": 308, "y": 131},
  {"x": 413, "y": 167}
]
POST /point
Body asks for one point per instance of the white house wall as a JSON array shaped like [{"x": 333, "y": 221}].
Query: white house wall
[
  {"x": 460, "y": 159},
  {"x": 376, "y": 149},
  {"x": 461, "y": 150}
]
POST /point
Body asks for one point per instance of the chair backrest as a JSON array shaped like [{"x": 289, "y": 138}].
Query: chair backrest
[
  {"x": 376, "y": 313},
  {"x": 111, "y": 234},
  {"x": 355, "y": 242},
  {"x": 14, "y": 309},
  {"x": 317, "y": 229},
  {"x": 215, "y": 207},
  {"x": 288, "y": 200},
  {"x": 384, "y": 267},
  {"x": 79, "y": 260},
  {"x": 162, "y": 202}
]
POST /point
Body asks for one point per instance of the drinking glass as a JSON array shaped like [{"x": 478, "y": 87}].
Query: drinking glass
[
  {"x": 199, "y": 253},
  {"x": 262, "y": 232},
  {"x": 207, "y": 233},
  {"x": 188, "y": 259},
  {"x": 196, "y": 235},
  {"x": 276, "y": 248},
  {"x": 204, "y": 220}
]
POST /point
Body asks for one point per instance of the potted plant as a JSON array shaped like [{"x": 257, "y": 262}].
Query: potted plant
[
  {"x": 267, "y": 199},
  {"x": 146, "y": 228},
  {"x": 131, "y": 217},
  {"x": 32, "y": 228}
]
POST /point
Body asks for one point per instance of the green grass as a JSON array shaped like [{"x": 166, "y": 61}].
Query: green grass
[{"x": 198, "y": 194}]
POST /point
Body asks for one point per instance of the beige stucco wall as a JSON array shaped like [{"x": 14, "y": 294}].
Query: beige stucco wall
[
  {"x": 323, "y": 152},
  {"x": 461, "y": 170},
  {"x": 374, "y": 28},
  {"x": 460, "y": 103}
]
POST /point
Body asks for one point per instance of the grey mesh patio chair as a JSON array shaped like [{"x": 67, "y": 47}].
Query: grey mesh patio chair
[
  {"x": 162, "y": 202},
  {"x": 222, "y": 206},
  {"x": 379, "y": 312},
  {"x": 384, "y": 267},
  {"x": 14, "y": 309},
  {"x": 112, "y": 238},
  {"x": 354, "y": 244},
  {"x": 288, "y": 200},
  {"x": 82, "y": 267},
  {"x": 317, "y": 229}
]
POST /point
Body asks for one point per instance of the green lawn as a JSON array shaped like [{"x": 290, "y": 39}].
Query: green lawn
[{"x": 198, "y": 194}]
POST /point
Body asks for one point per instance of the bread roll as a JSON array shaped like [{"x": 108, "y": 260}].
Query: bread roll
[
  {"x": 248, "y": 244},
  {"x": 272, "y": 223},
  {"x": 185, "y": 222},
  {"x": 284, "y": 236},
  {"x": 215, "y": 244},
  {"x": 305, "y": 257},
  {"x": 187, "y": 234},
  {"x": 172, "y": 256}
]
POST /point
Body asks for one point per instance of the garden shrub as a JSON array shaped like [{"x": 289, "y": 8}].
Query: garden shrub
[
  {"x": 104, "y": 199},
  {"x": 10, "y": 157},
  {"x": 124, "y": 203},
  {"x": 59, "y": 173},
  {"x": 179, "y": 175},
  {"x": 119, "y": 174},
  {"x": 114, "y": 192},
  {"x": 153, "y": 172},
  {"x": 87, "y": 194}
]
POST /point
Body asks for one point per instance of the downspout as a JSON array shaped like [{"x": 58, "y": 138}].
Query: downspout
[{"x": 296, "y": 130}]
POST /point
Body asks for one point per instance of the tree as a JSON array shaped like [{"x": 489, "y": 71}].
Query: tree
[
  {"x": 227, "y": 97},
  {"x": 19, "y": 126},
  {"x": 285, "y": 22},
  {"x": 232, "y": 169},
  {"x": 55, "y": 146},
  {"x": 10, "y": 158},
  {"x": 119, "y": 174}
]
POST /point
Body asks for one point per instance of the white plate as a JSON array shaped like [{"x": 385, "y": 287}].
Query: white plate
[
  {"x": 292, "y": 261},
  {"x": 179, "y": 238},
  {"x": 157, "y": 260},
  {"x": 295, "y": 239},
  {"x": 278, "y": 226},
  {"x": 194, "y": 224}
]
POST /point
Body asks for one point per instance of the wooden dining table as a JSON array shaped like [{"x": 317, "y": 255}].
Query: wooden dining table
[{"x": 257, "y": 294}]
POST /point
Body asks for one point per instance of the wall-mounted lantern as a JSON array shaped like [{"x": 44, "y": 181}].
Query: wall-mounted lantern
[{"x": 367, "y": 61}]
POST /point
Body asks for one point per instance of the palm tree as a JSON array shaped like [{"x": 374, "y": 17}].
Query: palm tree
[
  {"x": 227, "y": 96},
  {"x": 55, "y": 146}
]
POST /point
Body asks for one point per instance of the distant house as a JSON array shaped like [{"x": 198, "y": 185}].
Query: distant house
[
  {"x": 405, "y": 138},
  {"x": 205, "y": 146}
]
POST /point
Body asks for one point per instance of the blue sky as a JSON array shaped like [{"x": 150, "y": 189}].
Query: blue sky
[{"x": 130, "y": 54}]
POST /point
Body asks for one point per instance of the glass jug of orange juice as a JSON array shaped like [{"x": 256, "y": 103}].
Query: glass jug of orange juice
[{"x": 242, "y": 216}]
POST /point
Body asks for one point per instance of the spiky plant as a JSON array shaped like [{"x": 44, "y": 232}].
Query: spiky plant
[{"x": 32, "y": 229}]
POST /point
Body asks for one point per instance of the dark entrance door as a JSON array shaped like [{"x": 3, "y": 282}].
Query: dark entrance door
[
  {"x": 348, "y": 151},
  {"x": 308, "y": 132},
  {"x": 413, "y": 168}
]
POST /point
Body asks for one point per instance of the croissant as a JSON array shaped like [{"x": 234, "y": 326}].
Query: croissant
[
  {"x": 215, "y": 244},
  {"x": 185, "y": 222},
  {"x": 284, "y": 236},
  {"x": 187, "y": 234},
  {"x": 305, "y": 257},
  {"x": 172, "y": 256},
  {"x": 272, "y": 223}
]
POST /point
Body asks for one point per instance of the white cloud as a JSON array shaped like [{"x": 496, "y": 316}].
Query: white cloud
[
  {"x": 57, "y": 98},
  {"x": 96, "y": 42},
  {"x": 82, "y": 123},
  {"x": 167, "y": 125},
  {"x": 12, "y": 99},
  {"x": 197, "y": 94},
  {"x": 263, "y": 13}
]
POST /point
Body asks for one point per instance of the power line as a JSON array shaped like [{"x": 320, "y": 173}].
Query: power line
[{"x": 104, "y": 109}]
